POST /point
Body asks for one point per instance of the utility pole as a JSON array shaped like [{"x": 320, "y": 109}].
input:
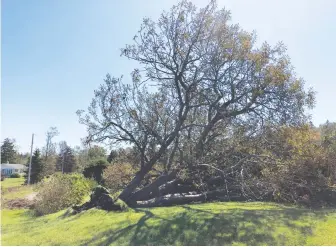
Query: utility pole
[
  {"x": 63, "y": 163},
  {"x": 30, "y": 161}
]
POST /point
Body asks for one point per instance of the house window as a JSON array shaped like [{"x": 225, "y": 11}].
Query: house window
[{"x": 16, "y": 170}]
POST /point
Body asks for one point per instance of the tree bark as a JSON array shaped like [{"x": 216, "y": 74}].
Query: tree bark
[
  {"x": 178, "y": 199},
  {"x": 127, "y": 192},
  {"x": 146, "y": 192}
]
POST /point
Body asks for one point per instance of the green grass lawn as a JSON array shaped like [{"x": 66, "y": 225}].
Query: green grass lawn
[
  {"x": 11, "y": 182},
  {"x": 12, "y": 188},
  {"x": 198, "y": 224}
]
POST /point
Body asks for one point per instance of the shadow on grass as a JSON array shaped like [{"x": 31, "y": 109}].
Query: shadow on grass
[{"x": 195, "y": 226}]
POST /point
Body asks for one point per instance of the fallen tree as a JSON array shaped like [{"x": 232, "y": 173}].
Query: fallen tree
[{"x": 209, "y": 80}]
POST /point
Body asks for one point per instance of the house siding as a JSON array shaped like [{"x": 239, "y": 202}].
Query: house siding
[{"x": 7, "y": 170}]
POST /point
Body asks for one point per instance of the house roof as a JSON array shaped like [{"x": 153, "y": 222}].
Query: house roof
[{"x": 12, "y": 166}]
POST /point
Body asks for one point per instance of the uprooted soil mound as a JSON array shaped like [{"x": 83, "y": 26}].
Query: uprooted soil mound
[
  {"x": 100, "y": 198},
  {"x": 19, "y": 203}
]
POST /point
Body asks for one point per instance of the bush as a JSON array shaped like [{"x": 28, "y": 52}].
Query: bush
[
  {"x": 117, "y": 176},
  {"x": 95, "y": 170},
  {"x": 298, "y": 173},
  {"x": 60, "y": 191},
  {"x": 15, "y": 175}
]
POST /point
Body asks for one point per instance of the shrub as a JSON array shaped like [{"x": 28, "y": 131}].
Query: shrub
[
  {"x": 15, "y": 175},
  {"x": 95, "y": 170},
  {"x": 297, "y": 172},
  {"x": 117, "y": 176},
  {"x": 60, "y": 191}
]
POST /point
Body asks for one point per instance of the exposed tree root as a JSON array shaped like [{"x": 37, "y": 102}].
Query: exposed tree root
[{"x": 99, "y": 198}]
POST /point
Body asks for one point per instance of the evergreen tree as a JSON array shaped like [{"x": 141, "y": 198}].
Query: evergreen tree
[
  {"x": 26, "y": 170},
  {"x": 66, "y": 161},
  {"x": 95, "y": 170},
  {"x": 112, "y": 156},
  {"x": 8, "y": 152},
  {"x": 36, "y": 168}
]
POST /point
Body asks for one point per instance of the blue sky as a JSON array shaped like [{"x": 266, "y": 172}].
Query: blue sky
[{"x": 56, "y": 52}]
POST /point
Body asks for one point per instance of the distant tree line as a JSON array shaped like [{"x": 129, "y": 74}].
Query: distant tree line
[{"x": 57, "y": 158}]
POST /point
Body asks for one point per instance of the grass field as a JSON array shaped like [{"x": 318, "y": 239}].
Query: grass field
[
  {"x": 198, "y": 224},
  {"x": 12, "y": 188},
  {"x": 202, "y": 224},
  {"x": 11, "y": 182}
]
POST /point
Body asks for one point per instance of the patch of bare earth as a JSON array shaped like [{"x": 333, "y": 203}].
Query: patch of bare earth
[
  {"x": 32, "y": 196},
  {"x": 19, "y": 203},
  {"x": 11, "y": 189},
  {"x": 27, "y": 202}
]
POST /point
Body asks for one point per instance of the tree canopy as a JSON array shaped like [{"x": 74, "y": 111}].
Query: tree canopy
[
  {"x": 201, "y": 79},
  {"x": 8, "y": 152},
  {"x": 37, "y": 166},
  {"x": 66, "y": 161}
]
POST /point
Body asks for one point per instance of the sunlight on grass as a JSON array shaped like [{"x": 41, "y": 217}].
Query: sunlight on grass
[
  {"x": 13, "y": 188},
  {"x": 324, "y": 233},
  {"x": 199, "y": 224},
  {"x": 17, "y": 193},
  {"x": 11, "y": 182}
]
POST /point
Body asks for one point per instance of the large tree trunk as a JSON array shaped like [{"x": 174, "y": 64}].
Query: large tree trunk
[
  {"x": 168, "y": 190},
  {"x": 164, "y": 185},
  {"x": 171, "y": 187},
  {"x": 127, "y": 192},
  {"x": 147, "y": 191},
  {"x": 178, "y": 199}
]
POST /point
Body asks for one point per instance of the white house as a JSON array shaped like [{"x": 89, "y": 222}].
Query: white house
[{"x": 8, "y": 169}]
